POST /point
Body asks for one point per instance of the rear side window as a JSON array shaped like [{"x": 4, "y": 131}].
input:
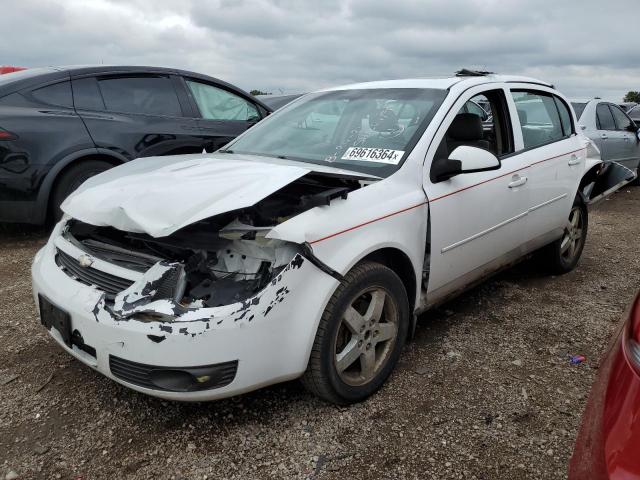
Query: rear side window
[
  {"x": 150, "y": 95},
  {"x": 539, "y": 118},
  {"x": 622, "y": 121},
  {"x": 604, "y": 117},
  {"x": 218, "y": 104},
  {"x": 58, "y": 94}
]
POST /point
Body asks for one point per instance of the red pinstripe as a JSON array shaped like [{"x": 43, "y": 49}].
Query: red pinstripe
[{"x": 440, "y": 197}]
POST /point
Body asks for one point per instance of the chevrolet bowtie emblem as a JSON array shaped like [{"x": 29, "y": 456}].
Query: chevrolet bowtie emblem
[{"x": 85, "y": 261}]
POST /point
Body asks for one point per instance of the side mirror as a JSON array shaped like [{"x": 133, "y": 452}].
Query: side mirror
[{"x": 464, "y": 159}]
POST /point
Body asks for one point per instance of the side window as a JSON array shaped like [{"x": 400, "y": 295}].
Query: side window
[
  {"x": 565, "y": 116},
  {"x": 86, "y": 95},
  {"x": 604, "y": 117},
  {"x": 467, "y": 127},
  {"x": 58, "y": 94},
  {"x": 150, "y": 95},
  {"x": 218, "y": 104},
  {"x": 539, "y": 118},
  {"x": 622, "y": 121}
]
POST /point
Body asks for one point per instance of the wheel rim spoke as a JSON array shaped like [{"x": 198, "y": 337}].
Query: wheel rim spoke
[
  {"x": 368, "y": 363},
  {"x": 354, "y": 321},
  {"x": 374, "y": 310},
  {"x": 566, "y": 243},
  {"x": 386, "y": 331},
  {"x": 574, "y": 218},
  {"x": 348, "y": 355}
]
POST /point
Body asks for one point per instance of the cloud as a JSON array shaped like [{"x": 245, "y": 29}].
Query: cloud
[{"x": 586, "y": 48}]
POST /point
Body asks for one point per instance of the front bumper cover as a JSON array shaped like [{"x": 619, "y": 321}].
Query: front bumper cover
[{"x": 266, "y": 334}]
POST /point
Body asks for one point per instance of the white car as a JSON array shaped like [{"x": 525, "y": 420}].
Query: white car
[{"x": 308, "y": 246}]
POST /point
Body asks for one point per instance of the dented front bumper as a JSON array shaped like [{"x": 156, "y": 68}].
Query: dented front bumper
[{"x": 269, "y": 335}]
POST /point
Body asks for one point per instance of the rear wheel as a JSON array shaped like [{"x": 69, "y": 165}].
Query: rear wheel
[
  {"x": 70, "y": 180},
  {"x": 360, "y": 336},
  {"x": 562, "y": 255}
]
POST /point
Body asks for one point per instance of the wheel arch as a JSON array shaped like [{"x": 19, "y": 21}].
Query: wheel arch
[
  {"x": 53, "y": 176},
  {"x": 401, "y": 264}
]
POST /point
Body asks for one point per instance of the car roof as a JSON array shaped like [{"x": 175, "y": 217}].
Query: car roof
[
  {"x": 34, "y": 76},
  {"x": 442, "y": 83}
]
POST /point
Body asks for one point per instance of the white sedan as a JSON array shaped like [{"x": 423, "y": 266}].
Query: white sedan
[{"x": 308, "y": 246}]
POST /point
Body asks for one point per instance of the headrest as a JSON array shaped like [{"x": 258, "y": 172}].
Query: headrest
[
  {"x": 466, "y": 127},
  {"x": 522, "y": 115}
]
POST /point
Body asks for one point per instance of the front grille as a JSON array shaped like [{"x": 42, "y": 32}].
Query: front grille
[
  {"x": 139, "y": 262},
  {"x": 221, "y": 374},
  {"x": 110, "y": 284}
]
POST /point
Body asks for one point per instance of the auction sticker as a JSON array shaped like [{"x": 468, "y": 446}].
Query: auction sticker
[{"x": 380, "y": 155}]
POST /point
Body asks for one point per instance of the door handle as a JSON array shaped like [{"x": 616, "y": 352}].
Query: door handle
[
  {"x": 604, "y": 136},
  {"x": 517, "y": 181},
  {"x": 574, "y": 160}
]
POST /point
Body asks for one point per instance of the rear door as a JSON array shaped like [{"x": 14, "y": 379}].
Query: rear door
[
  {"x": 547, "y": 141},
  {"x": 626, "y": 130},
  {"x": 611, "y": 142},
  {"x": 222, "y": 114},
  {"x": 137, "y": 115},
  {"x": 46, "y": 129}
]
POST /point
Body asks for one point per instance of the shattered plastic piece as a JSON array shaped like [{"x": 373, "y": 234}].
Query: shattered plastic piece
[{"x": 577, "y": 359}]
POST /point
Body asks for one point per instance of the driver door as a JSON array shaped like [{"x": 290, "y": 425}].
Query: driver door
[{"x": 478, "y": 220}]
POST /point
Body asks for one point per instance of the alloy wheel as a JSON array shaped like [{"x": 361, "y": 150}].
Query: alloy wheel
[
  {"x": 573, "y": 234},
  {"x": 366, "y": 336}
]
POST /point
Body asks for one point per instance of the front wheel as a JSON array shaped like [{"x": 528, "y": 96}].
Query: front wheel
[
  {"x": 562, "y": 255},
  {"x": 360, "y": 336}
]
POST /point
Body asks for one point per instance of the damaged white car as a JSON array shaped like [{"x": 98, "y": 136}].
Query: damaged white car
[{"x": 310, "y": 244}]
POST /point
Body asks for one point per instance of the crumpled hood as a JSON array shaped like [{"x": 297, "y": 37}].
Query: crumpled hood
[{"x": 160, "y": 195}]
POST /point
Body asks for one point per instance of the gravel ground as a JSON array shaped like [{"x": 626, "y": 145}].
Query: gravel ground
[{"x": 485, "y": 391}]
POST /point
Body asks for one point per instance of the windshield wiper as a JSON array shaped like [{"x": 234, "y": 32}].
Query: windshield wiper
[{"x": 225, "y": 151}]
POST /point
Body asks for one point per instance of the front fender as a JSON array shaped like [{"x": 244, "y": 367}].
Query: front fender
[{"x": 387, "y": 214}]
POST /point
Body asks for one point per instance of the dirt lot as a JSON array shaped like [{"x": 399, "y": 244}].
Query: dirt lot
[{"x": 485, "y": 391}]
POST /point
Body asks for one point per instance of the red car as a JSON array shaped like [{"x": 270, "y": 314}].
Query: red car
[
  {"x": 8, "y": 69},
  {"x": 608, "y": 444}
]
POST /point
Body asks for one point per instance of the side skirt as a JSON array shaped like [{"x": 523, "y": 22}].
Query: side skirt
[{"x": 482, "y": 273}]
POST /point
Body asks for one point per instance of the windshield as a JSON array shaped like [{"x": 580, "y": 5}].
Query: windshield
[
  {"x": 369, "y": 131},
  {"x": 578, "y": 108}
]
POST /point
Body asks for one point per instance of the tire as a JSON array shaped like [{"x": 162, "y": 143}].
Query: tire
[
  {"x": 70, "y": 180},
  {"x": 368, "y": 317},
  {"x": 561, "y": 257}
]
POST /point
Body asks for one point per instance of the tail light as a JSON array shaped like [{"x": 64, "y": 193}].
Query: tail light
[
  {"x": 4, "y": 135},
  {"x": 631, "y": 336}
]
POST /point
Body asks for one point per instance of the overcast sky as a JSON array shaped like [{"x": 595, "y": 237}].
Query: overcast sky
[{"x": 584, "y": 47}]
